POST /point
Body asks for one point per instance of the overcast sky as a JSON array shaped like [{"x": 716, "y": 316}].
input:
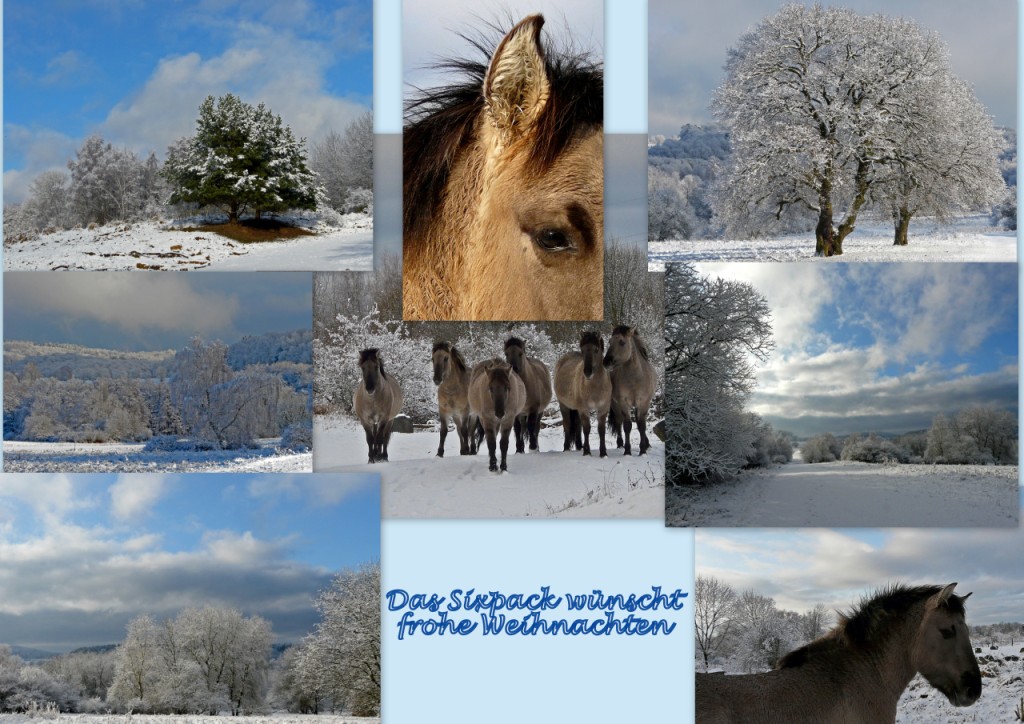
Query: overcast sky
[
  {"x": 135, "y": 311},
  {"x": 81, "y": 555},
  {"x": 882, "y": 347},
  {"x": 135, "y": 71},
  {"x": 799, "y": 568},
  {"x": 688, "y": 44}
]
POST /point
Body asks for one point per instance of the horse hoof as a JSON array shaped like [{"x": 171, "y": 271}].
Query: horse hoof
[
  {"x": 586, "y": 452},
  {"x": 627, "y": 452},
  {"x": 604, "y": 453},
  {"x": 440, "y": 453}
]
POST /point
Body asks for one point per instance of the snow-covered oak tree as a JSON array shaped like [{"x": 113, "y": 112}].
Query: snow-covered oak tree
[
  {"x": 242, "y": 158},
  {"x": 713, "y": 609},
  {"x": 715, "y": 331},
  {"x": 341, "y": 659},
  {"x": 824, "y": 103}
]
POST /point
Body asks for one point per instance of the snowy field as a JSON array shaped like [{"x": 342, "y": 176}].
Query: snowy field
[
  {"x": 186, "y": 719},
  {"x": 968, "y": 239},
  {"x": 548, "y": 484},
  {"x": 70, "y": 457},
  {"x": 164, "y": 246},
  {"x": 847, "y": 494},
  {"x": 1002, "y": 685}
]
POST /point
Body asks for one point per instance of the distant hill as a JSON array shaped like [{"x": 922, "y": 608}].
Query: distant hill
[
  {"x": 28, "y": 654},
  {"x": 100, "y": 649},
  {"x": 85, "y": 363}
]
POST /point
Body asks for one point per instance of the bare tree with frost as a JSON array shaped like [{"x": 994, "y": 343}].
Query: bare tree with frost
[
  {"x": 823, "y": 104},
  {"x": 715, "y": 331},
  {"x": 713, "y": 610}
]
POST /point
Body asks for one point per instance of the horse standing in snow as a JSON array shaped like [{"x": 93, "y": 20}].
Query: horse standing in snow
[
  {"x": 537, "y": 380},
  {"x": 497, "y": 397},
  {"x": 633, "y": 382},
  {"x": 377, "y": 401},
  {"x": 452, "y": 376}
]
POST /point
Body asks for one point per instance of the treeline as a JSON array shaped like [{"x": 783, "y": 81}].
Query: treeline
[
  {"x": 979, "y": 435},
  {"x": 205, "y": 398},
  {"x": 106, "y": 184},
  {"x": 213, "y": 660},
  {"x": 356, "y": 311},
  {"x": 745, "y": 630}
]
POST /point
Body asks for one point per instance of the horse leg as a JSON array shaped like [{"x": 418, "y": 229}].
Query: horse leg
[
  {"x": 504, "y": 447},
  {"x": 370, "y": 440},
  {"x": 492, "y": 458},
  {"x": 627, "y": 427},
  {"x": 613, "y": 420},
  {"x": 577, "y": 433},
  {"x": 462, "y": 428},
  {"x": 585, "y": 420},
  {"x": 444, "y": 434},
  {"x": 601, "y": 417},
  {"x": 385, "y": 439},
  {"x": 520, "y": 429},
  {"x": 641, "y": 426},
  {"x": 567, "y": 433},
  {"x": 479, "y": 435}
]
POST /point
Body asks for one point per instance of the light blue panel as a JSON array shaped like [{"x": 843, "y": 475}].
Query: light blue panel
[
  {"x": 516, "y": 679},
  {"x": 625, "y": 106},
  {"x": 387, "y": 66}
]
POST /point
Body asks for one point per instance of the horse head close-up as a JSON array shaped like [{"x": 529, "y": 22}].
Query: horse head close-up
[{"x": 503, "y": 186}]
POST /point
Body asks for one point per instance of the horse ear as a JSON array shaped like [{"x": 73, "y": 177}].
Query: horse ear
[
  {"x": 516, "y": 87},
  {"x": 944, "y": 595}
]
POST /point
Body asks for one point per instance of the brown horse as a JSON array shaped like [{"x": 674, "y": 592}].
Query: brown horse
[
  {"x": 537, "y": 380},
  {"x": 633, "y": 382},
  {"x": 856, "y": 672},
  {"x": 497, "y": 397},
  {"x": 451, "y": 375},
  {"x": 503, "y": 187},
  {"x": 582, "y": 385},
  {"x": 376, "y": 402}
]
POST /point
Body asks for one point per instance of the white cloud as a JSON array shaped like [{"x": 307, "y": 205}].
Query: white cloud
[
  {"x": 319, "y": 490},
  {"x": 133, "y": 496}
]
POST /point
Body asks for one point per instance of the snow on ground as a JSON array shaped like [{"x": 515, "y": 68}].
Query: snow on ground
[
  {"x": 164, "y": 246},
  {"x": 1002, "y": 689},
  {"x": 848, "y": 494},
  {"x": 969, "y": 238},
  {"x": 185, "y": 719},
  {"x": 548, "y": 484},
  {"x": 69, "y": 457}
]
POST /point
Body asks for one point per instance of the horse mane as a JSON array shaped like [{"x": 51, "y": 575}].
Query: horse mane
[
  {"x": 439, "y": 121},
  {"x": 641, "y": 347},
  {"x": 591, "y": 338},
  {"x": 460, "y": 361},
  {"x": 867, "y": 622},
  {"x": 373, "y": 353}
]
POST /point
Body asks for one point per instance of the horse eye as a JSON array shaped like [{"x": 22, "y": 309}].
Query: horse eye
[
  {"x": 551, "y": 239},
  {"x": 947, "y": 633}
]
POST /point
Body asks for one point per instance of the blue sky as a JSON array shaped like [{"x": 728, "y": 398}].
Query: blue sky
[
  {"x": 882, "y": 347},
  {"x": 687, "y": 50},
  {"x": 136, "y": 71},
  {"x": 800, "y": 568},
  {"x": 136, "y": 312},
  {"x": 80, "y": 555}
]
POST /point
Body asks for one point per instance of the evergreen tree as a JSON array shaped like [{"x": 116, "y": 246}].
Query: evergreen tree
[{"x": 242, "y": 158}]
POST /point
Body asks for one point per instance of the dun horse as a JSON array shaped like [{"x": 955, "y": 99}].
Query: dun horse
[
  {"x": 583, "y": 385},
  {"x": 856, "y": 672},
  {"x": 503, "y": 187},
  {"x": 451, "y": 375},
  {"x": 497, "y": 397},
  {"x": 537, "y": 380},
  {"x": 376, "y": 401},
  {"x": 633, "y": 383}
]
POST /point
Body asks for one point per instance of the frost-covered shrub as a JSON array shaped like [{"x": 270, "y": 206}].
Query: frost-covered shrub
[
  {"x": 977, "y": 435},
  {"x": 298, "y": 437},
  {"x": 174, "y": 443},
  {"x": 769, "y": 447},
  {"x": 873, "y": 449},
  {"x": 821, "y": 449},
  {"x": 358, "y": 201}
]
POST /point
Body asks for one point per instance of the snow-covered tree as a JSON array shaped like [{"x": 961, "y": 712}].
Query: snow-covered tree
[
  {"x": 821, "y": 103},
  {"x": 824, "y": 448},
  {"x": 242, "y": 158},
  {"x": 343, "y": 654},
  {"x": 715, "y": 331},
  {"x": 345, "y": 163},
  {"x": 714, "y": 607},
  {"x": 138, "y": 668},
  {"x": 669, "y": 215},
  {"x": 50, "y": 202}
]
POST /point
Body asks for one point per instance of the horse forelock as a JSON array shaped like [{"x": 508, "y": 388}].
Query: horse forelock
[
  {"x": 368, "y": 354},
  {"x": 591, "y": 338},
  {"x": 446, "y": 346},
  {"x": 515, "y": 342},
  {"x": 440, "y": 121}
]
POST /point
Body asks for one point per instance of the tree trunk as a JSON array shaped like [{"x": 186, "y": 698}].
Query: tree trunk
[
  {"x": 824, "y": 235},
  {"x": 861, "y": 184},
  {"x": 233, "y": 212},
  {"x": 902, "y": 223}
]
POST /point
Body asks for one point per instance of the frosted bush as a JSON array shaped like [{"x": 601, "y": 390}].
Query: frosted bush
[{"x": 821, "y": 449}]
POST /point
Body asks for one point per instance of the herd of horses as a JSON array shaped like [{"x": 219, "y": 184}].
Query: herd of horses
[{"x": 499, "y": 396}]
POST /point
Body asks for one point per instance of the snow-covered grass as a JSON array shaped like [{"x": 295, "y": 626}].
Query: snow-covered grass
[
  {"x": 546, "y": 484},
  {"x": 166, "y": 246},
  {"x": 967, "y": 239},
  {"x": 1002, "y": 682},
  {"x": 852, "y": 494},
  {"x": 68, "y": 457},
  {"x": 188, "y": 719}
]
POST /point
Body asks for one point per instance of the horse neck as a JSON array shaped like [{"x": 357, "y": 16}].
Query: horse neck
[{"x": 890, "y": 663}]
